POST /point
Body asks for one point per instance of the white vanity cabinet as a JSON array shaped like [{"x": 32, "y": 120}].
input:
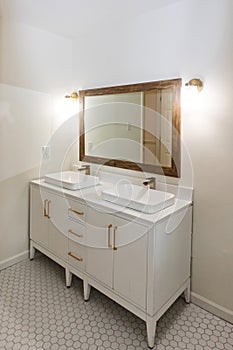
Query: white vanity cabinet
[{"x": 143, "y": 263}]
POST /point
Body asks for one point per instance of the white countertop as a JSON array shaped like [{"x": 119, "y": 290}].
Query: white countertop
[{"x": 92, "y": 196}]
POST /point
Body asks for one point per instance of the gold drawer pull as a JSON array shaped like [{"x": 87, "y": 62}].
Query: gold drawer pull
[
  {"x": 76, "y": 234},
  {"x": 109, "y": 233},
  {"x": 45, "y": 210},
  {"x": 48, "y": 216},
  {"x": 114, "y": 238},
  {"x": 75, "y": 257},
  {"x": 76, "y": 212}
]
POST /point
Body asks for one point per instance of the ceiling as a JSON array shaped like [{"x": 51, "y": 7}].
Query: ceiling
[{"x": 72, "y": 17}]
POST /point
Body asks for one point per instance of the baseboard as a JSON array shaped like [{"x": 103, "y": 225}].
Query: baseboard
[
  {"x": 212, "y": 307},
  {"x": 14, "y": 260}
]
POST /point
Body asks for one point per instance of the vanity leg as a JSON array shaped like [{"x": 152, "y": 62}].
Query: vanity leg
[
  {"x": 68, "y": 278},
  {"x": 151, "y": 329},
  {"x": 32, "y": 251},
  {"x": 86, "y": 290},
  {"x": 187, "y": 292}
]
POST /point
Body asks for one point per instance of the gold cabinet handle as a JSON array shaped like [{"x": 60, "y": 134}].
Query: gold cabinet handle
[
  {"x": 76, "y": 234},
  {"x": 114, "y": 238},
  {"x": 109, "y": 233},
  {"x": 76, "y": 212},
  {"x": 75, "y": 257},
  {"x": 48, "y": 215},
  {"x": 45, "y": 208}
]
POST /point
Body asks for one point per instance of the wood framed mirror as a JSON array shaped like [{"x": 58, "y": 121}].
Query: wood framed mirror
[{"x": 134, "y": 127}]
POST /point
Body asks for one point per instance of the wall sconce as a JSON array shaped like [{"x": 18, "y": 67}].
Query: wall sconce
[
  {"x": 195, "y": 82},
  {"x": 73, "y": 96}
]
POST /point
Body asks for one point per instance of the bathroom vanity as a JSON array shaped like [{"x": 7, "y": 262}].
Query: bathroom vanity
[{"x": 140, "y": 260}]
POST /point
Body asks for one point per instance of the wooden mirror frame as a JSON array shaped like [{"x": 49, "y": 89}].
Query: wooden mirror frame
[{"x": 174, "y": 170}]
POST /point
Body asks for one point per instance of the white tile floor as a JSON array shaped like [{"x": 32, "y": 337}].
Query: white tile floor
[{"x": 37, "y": 311}]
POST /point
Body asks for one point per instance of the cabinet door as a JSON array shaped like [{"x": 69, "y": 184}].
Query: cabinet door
[
  {"x": 172, "y": 255},
  {"x": 99, "y": 259},
  {"x": 58, "y": 235},
  {"x": 130, "y": 261},
  {"x": 38, "y": 220},
  {"x": 58, "y": 243}
]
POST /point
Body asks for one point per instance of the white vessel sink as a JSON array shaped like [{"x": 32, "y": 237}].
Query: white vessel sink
[
  {"x": 71, "y": 180},
  {"x": 138, "y": 198}
]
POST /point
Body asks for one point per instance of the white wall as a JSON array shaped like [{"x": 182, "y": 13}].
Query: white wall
[
  {"x": 192, "y": 38},
  {"x": 35, "y": 69}
]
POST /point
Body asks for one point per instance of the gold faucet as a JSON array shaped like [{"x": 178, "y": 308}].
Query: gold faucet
[
  {"x": 86, "y": 168},
  {"x": 151, "y": 182}
]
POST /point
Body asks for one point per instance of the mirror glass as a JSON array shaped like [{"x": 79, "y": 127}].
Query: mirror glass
[{"x": 133, "y": 126}]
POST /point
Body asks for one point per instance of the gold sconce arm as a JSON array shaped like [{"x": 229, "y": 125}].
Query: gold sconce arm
[
  {"x": 73, "y": 96},
  {"x": 195, "y": 82}
]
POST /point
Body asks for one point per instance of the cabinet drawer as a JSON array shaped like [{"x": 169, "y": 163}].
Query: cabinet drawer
[
  {"x": 76, "y": 210},
  {"x": 76, "y": 232},
  {"x": 76, "y": 255}
]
